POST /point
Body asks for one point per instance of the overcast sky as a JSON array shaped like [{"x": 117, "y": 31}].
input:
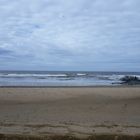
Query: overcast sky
[{"x": 93, "y": 35}]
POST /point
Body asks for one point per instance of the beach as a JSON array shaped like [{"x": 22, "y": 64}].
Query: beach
[{"x": 74, "y": 111}]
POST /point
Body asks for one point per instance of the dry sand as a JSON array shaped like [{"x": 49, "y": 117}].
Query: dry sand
[{"x": 78, "y": 112}]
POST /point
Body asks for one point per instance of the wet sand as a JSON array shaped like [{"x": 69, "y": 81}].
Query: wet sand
[{"x": 79, "y": 112}]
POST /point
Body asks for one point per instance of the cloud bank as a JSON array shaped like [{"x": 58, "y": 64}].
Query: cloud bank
[{"x": 70, "y": 35}]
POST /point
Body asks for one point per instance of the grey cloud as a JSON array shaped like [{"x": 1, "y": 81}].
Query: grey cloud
[
  {"x": 82, "y": 32},
  {"x": 5, "y": 51}
]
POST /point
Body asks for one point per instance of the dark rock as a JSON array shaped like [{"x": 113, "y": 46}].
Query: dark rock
[{"x": 130, "y": 80}]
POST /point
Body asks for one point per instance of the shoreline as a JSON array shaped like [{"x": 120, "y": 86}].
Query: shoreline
[{"x": 96, "y": 86}]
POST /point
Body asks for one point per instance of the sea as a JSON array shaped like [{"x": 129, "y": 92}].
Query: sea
[{"x": 62, "y": 78}]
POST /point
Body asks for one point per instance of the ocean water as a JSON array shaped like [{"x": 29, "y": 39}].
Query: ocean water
[{"x": 62, "y": 78}]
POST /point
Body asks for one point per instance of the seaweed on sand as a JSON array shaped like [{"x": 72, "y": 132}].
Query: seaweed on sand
[{"x": 94, "y": 137}]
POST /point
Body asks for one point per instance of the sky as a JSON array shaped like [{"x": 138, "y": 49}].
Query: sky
[{"x": 86, "y": 35}]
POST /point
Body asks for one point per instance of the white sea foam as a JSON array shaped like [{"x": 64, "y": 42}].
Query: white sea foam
[
  {"x": 32, "y": 75},
  {"x": 115, "y": 77},
  {"x": 81, "y": 74}
]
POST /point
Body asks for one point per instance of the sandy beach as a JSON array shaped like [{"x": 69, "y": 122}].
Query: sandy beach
[{"x": 78, "y": 112}]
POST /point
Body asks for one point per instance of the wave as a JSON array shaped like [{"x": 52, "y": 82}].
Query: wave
[
  {"x": 65, "y": 75},
  {"x": 61, "y": 78},
  {"x": 81, "y": 74},
  {"x": 13, "y": 75}
]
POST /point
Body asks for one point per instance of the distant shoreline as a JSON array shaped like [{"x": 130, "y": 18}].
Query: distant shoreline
[{"x": 104, "y": 86}]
